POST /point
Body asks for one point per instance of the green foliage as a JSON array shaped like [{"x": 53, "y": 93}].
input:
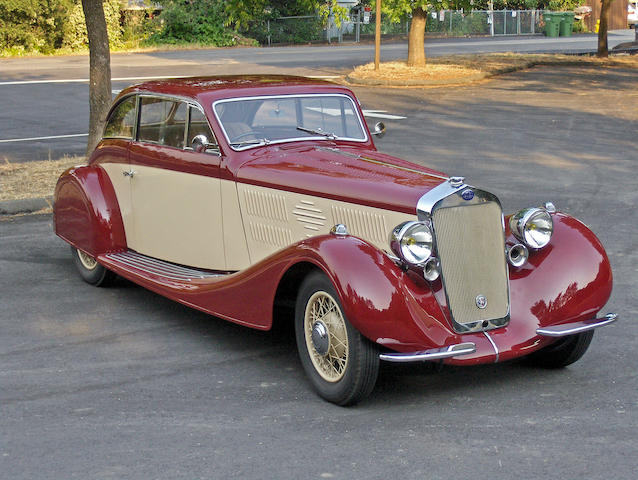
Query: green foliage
[
  {"x": 242, "y": 13},
  {"x": 261, "y": 19},
  {"x": 193, "y": 21},
  {"x": 32, "y": 25},
  {"x": 75, "y": 36},
  {"x": 563, "y": 5},
  {"x": 332, "y": 8}
]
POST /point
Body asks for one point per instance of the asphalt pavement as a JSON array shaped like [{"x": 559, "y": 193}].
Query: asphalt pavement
[
  {"x": 122, "y": 383},
  {"x": 48, "y": 97}
]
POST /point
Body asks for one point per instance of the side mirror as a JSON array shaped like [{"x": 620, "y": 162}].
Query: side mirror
[
  {"x": 199, "y": 143},
  {"x": 379, "y": 129}
]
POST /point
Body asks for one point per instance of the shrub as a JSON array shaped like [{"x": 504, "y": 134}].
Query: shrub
[{"x": 186, "y": 21}]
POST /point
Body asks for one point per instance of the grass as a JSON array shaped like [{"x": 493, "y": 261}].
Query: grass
[
  {"x": 466, "y": 68},
  {"x": 32, "y": 179}
]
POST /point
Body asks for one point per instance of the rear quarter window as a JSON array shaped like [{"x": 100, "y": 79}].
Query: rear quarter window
[{"x": 121, "y": 122}]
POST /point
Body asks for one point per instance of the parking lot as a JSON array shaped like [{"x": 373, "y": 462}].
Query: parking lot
[{"x": 121, "y": 383}]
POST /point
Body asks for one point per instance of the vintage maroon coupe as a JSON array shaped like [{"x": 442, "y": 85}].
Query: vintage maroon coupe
[{"x": 240, "y": 195}]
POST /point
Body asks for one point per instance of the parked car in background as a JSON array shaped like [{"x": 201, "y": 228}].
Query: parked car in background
[{"x": 253, "y": 197}]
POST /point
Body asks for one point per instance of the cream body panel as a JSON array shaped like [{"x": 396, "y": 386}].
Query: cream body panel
[
  {"x": 122, "y": 187},
  {"x": 274, "y": 219},
  {"x": 235, "y": 246},
  {"x": 177, "y": 217}
]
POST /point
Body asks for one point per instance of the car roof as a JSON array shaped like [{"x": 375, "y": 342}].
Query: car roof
[{"x": 206, "y": 90}]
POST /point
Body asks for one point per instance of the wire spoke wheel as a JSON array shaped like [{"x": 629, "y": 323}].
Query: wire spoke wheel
[
  {"x": 341, "y": 364},
  {"x": 322, "y": 311},
  {"x": 87, "y": 261},
  {"x": 90, "y": 270}
]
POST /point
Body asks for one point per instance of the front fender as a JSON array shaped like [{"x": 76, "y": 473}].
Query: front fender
[
  {"x": 86, "y": 213},
  {"x": 392, "y": 307}
]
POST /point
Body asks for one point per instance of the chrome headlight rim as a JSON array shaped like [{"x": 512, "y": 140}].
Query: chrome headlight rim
[
  {"x": 533, "y": 227},
  {"x": 414, "y": 253}
]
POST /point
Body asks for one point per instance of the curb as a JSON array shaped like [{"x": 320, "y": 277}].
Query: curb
[{"x": 25, "y": 205}]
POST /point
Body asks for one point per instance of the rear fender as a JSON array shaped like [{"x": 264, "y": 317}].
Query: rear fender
[{"x": 86, "y": 213}]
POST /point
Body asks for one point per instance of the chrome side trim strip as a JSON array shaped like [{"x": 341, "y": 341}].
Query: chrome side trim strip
[
  {"x": 577, "y": 327},
  {"x": 493, "y": 346},
  {"x": 433, "y": 354},
  {"x": 158, "y": 267}
]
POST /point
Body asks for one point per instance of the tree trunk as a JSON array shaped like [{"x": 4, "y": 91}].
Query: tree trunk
[
  {"x": 416, "y": 39},
  {"x": 99, "y": 70},
  {"x": 603, "y": 50}
]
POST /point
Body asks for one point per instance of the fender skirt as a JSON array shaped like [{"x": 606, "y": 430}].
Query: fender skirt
[{"x": 86, "y": 213}]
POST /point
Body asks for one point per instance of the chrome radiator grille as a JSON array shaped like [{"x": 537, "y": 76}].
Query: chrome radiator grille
[{"x": 471, "y": 249}]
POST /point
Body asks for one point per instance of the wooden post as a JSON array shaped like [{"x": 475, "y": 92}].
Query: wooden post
[{"x": 377, "y": 36}]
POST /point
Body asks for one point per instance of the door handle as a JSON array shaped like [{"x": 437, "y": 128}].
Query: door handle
[{"x": 130, "y": 173}]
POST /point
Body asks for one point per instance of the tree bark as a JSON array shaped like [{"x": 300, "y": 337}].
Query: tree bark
[
  {"x": 603, "y": 27},
  {"x": 99, "y": 70},
  {"x": 416, "y": 39}
]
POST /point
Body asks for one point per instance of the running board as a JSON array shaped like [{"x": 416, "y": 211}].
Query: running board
[
  {"x": 428, "y": 355},
  {"x": 153, "y": 266},
  {"x": 577, "y": 327}
]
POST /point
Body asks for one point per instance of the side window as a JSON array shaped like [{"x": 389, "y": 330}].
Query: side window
[
  {"x": 162, "y": 121},
  {"x": 121, "y": 123},
  {"x": 199, "y": 126}
]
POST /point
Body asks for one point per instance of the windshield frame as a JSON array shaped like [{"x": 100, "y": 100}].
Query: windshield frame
[{"x": 365, "y": 138}]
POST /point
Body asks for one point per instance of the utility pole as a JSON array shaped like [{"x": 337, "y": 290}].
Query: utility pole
[{"x": 377, "y": 36}]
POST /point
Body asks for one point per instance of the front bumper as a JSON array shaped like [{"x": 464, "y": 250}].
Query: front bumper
[
  {"x": 433, "y": 354},
  {"x": 466, "y": 348},
  {"x": 577, "y": 327}
]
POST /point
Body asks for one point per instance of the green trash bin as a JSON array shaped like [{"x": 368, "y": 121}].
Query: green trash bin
[
  {"x": 566, "y": 24},
  {"x": 552, "y": 23}
]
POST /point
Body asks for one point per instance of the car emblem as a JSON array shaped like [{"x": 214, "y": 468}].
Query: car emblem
[
  {"x": 467, "y": 195},
  {"x": 481, "y": 301}
]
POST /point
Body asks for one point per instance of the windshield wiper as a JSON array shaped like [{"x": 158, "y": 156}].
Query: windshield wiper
[
  {"x": 259, "y": 141},
  {"x": 319, "y": 131}
]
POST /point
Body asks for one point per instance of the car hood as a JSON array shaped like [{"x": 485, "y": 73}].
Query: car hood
[{"x": 353, "y": 175}]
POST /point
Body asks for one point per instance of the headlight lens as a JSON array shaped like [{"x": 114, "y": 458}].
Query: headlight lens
[
  {"x": 412, "y": 242},
  {"x": 533, "y": 227}
]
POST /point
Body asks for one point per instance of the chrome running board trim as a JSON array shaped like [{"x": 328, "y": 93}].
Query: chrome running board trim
[
  {"x": 577, "y": 327},
  {"x": 434, "y": 354},
  {"x": 157, "y": 267}
]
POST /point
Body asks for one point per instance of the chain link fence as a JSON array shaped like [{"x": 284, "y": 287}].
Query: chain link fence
[{"x": 312, "y": 29}]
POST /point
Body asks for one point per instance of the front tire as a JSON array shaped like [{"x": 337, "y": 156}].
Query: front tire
[
  {"x": 91, "y": 271},
  {"x": 341, "y": 364},
  {"x": 563, "y": 352}
]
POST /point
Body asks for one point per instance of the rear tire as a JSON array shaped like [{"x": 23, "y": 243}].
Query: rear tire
[
  {"x": 341, "y": 364},
  {"x": 563, "y": 352},
  {"x": 91, "y": 271}
]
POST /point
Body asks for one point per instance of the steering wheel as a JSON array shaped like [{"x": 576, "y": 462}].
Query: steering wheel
[{"x": 245, "y": 134}]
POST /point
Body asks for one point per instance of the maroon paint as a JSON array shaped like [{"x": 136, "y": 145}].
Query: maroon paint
[
  {"x": 398, "y": 310},
  {"x": 86, "y": 212},
  {"x": 569, "y": 280}
]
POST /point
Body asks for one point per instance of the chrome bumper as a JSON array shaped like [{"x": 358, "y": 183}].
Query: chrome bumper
[
  {"x": 577, "y": 327},
  {"x": 434, "y": 354}
]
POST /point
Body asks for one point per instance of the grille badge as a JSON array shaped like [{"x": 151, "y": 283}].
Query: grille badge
[
  {"x": 481, "y": 301},
  {"x": 467, "y": 194}
]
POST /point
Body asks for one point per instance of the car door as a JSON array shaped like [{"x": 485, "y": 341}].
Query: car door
[{"x": 175, "y": 191}]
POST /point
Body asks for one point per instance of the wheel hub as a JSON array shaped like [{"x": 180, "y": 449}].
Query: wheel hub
[{"x": 320, "y": 337}]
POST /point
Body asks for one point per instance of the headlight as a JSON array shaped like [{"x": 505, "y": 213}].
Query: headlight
[
  {"x": 533, "y": 227},
  {"x": 412, "y": 242}
]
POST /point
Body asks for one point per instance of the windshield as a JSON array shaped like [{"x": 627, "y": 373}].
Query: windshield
[{"x": 254, "y": 121}]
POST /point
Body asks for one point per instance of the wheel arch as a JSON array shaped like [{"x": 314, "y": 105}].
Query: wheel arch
[
  {"x": 86, "y": 213},
  {"x": 287, "y": 292}
]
